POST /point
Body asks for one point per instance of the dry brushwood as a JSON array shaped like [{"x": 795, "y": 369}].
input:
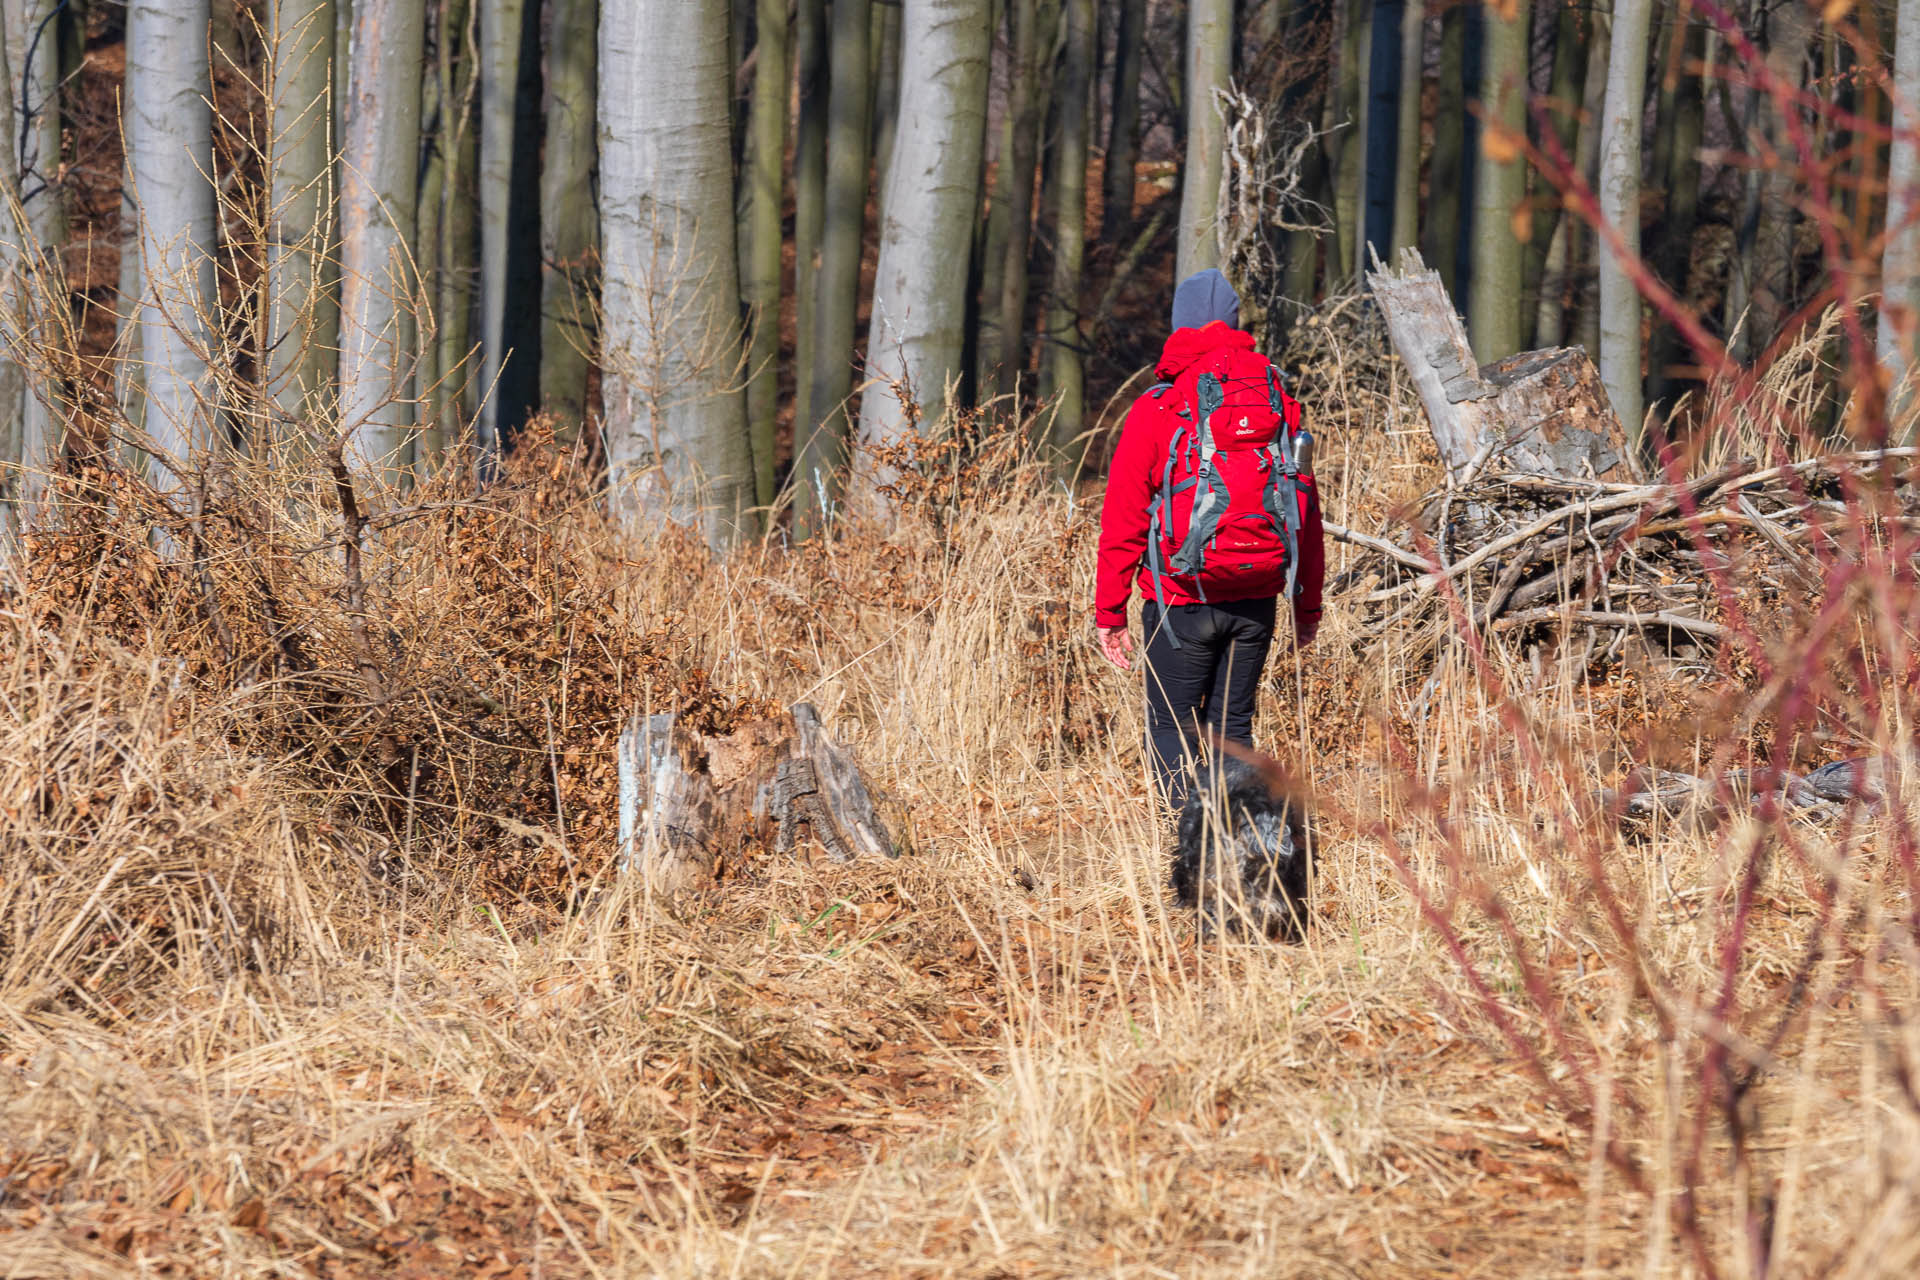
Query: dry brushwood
[
  {"x": 1539, "y": 523},
  {"x": 1664, "y": 796},
  {"x": 1604, "y": 559}
]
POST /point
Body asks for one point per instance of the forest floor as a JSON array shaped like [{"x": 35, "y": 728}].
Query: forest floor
[{"x": 299, "y": 979}]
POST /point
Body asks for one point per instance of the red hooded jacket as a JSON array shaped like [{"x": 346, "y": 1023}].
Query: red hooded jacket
[{"x": 1132, "y": 484}]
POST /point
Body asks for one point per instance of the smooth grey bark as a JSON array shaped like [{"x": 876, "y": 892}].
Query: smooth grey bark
[
  {"x": 675, "y": 415},
  {"x": 917, "y": 338},
  {"x": 569, "y": 226},
  {"x": 761, "y": 237},
  {"x": 1065, "y": 375},
  {"x": 820, "y": 449},
  {"x": 451, "y": 396},
  {"x": 1447, "y": 199},
  {"x": 1209, "y": 66},
  {"x": 1009, "y": 222},
  {"x": 303, "y": 316},
  {"x": 378, "y": 190},
  {"x": 169, "y": 129},
  {"x": 1736, "y": 309},
  {"x": 995, "y": 223},
  {"x": 1566, "y": 250},
  {"x": 1673, "y": 255},
  {"x": 809, "y": 188},
  {"x": 342, "y": 76},
  {"x": 1499, "y": 189},
  {"x": 34, "y": 56},
  {"x": 886, "y": 93},
  {"x": 1123, "y": 137},
  {"x": 1406, "y": 161},
  {"x": 129, "y": 379},
  {"x": 502, "y": 24},
  {"x": 1581, "y": 255},
  {"x": 13, "y": 305},
  {"x": 35, "y": 62},
  {"x": 1345, "y": 143},
  {"x": 1789, "y": 32},
  {"x": 428, "y": 441},
  {"x": 1563, "y": 104},
  {"x": 1620, "y": 350},
  {"x": 1900, "y": 260}
]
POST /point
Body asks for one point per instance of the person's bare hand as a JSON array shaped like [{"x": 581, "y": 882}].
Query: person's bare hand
[
  {"x": 1305, "y": 629},
  {"x": 1117, "y": 645}
]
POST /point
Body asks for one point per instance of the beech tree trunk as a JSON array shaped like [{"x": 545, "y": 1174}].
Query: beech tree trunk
[
  {"x": 997, "y": 195},
  {"x": 1566, "y": 251},
  {"x": 1789, "y": 31},
  {"x": 675, "y": 414},
  {"x": 1583, "y": 247},
  {"x": 1209, "y": 66},
  {"x": 1499, "y": 189},
  {"x": 1003, "y": 326},
  {"x": 1450, "y": 170},
  {"x": 1346, "y": 140},
  {"x": 1379, "y": 172},
  {"x": 502, "y": 23},
  {"x": 820, "y": 449},
  {"x": 1064, "y": 382},
  {"x": 760, "y": 237},
  {"x": 450, "y": 403},
  {"x": 569, "y": 227},
  {"x": 886, "y": 94},
  {"x": 377, "y": 214},
  {"x": 1123, "y": 134},
  {"x": 917, "y": 339},
  {"x": 1620, "y": 351},
  {"x": 34, "y": 54},
  {"x": 1563, "y": 95},
  {"x": 1674, "y": 252},
  {"x": 169, "y": 127},
  {"x": 13, "y": 305},
  {"x": 303, "y": 320},
  {"x": 1900, "y": 261},
  {"x": 809, "y": 193},
  {"x": 1406, "y": 161}
]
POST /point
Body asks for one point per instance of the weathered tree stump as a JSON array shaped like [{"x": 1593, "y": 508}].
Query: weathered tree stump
[
  {"x": 688, "y": 799},
  {"x": 1537, "y": 412}
]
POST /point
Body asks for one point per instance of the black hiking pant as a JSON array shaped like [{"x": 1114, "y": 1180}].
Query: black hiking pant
[{"x": 1204, "y": 687}]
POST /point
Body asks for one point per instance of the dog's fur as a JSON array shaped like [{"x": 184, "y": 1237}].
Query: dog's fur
[{"x": 1243, "y": 856}]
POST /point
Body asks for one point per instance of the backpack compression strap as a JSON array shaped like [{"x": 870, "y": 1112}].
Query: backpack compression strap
[
  {"x": 1209, "y": 499},
  {"x": 1282, "y": 497},
  {"x": 1160, "y": 516}
]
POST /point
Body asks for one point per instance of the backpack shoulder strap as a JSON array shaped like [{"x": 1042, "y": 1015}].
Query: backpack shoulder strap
[{"x": 1210, "y": 491}]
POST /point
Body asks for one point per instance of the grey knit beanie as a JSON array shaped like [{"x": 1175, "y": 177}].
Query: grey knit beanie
[{"x": 1202, "y": 298}]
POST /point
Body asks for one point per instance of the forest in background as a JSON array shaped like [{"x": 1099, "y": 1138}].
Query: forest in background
[
  {"x": 406, "y": 228},
  {"x": 334, "y": 327}
]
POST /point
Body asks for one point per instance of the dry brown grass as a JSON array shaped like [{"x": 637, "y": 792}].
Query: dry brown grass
[{"x": 306, "y": 974}]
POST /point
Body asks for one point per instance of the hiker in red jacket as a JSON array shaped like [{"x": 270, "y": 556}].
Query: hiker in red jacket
[{"x": 1211, "y": 509}]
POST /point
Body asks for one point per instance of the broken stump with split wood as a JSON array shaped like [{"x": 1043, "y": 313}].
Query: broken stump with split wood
[
  {"x": 1542, "y": 413},
  {"x": 689, "y": 799}
]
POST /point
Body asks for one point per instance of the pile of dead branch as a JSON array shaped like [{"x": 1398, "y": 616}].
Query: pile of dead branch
[
  {"x": 1606, "y": 560},
  {"x": 1544, "y": 530}
]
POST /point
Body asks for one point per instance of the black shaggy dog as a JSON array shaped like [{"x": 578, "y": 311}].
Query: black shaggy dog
[{"x": 1243, "y": 855}]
